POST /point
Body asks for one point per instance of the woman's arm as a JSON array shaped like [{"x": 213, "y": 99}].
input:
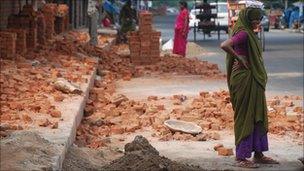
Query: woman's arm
[{"x": 227, "y": 47}]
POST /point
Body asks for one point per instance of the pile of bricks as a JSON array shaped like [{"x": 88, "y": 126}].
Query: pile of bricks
[
  {"x": 62, "y": 19},
  {"x": 144, "y": 44},
  {"x": 26, "y": 20},
  {"x": 20, "y": 41},
  {"x": 49, "y": 11},
  {"x": 8, "y": 44},
  {"x": 24, "y": 88}
]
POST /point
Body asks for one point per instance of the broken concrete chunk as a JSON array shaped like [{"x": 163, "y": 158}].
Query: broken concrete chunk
[
  {"x": 65, "y": 86},
  {"x": 118, "y": 99},
  {"x": 183, "y": 126}
]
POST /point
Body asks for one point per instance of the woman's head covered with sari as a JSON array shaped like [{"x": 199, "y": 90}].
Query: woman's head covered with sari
[{"x": 246, "y": 18}]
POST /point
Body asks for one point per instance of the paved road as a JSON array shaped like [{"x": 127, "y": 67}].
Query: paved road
[{"x": 283, "y": 55}]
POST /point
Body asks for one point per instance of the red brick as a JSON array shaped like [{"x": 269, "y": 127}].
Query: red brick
[
  {"x": 217, "y": 146},
  {"x": 222, "y": 151}
]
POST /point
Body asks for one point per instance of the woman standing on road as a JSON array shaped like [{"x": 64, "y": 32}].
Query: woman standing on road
[
  {"x": 247, "y": 77},
  {"x": 181, "y": 30}
]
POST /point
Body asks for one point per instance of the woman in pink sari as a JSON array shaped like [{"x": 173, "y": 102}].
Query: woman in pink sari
[{"x": 181, "y": 30}]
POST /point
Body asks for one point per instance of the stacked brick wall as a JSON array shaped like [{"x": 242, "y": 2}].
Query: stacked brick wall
[
  {"x": 49, "y": 12},
  {"x": 7, "y": 45},
  {"x": 26, "y": 20},
  {"x": 144, "y": 44},
  {"x": 20, "y": 39}
]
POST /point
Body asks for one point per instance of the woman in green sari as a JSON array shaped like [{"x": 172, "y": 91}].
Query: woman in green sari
[{"x": 247, "y": 77}]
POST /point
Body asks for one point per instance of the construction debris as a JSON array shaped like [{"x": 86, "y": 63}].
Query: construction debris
[
  {"x": 27, "y": 90},
  {"x": 182, "y": 126},
  {"x": 66, "y": 86},
  {"x": 140, "y": 151}
]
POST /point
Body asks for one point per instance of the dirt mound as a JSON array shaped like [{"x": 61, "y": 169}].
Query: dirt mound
[
  {"x": 25, "y": 150},
  {"x": 140, "y": 155},
  {"x": 140, "y": 144},
  {"x": 80, "y": 159}
]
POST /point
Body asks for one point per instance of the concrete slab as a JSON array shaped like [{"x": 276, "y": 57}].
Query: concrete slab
[{"x": 72, "y": 112}]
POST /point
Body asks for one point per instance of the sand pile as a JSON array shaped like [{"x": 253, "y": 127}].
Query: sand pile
[{"x": 141, "y": 156}]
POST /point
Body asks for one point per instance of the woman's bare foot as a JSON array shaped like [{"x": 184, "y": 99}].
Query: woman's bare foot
[
  {"x": 265, "y": 160},
  {"x": 246, "y": 164}
]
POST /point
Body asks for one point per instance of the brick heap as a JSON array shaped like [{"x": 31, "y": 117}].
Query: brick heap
[
  {"x": 49, "y": 11},
  {"x": 144, "y": 44},
  {"x": 62, "y": 19},
  {"x": 8, "y": 44},
  {"x": 26, "y": 20},
  {"x": 20, "y": 41}
]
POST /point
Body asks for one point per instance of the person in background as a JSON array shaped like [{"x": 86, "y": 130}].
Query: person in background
[
  {"x": 287, "y": 13},
  {"x": 127, "y": 19},
  {"x": 247, "y": 78},
  {"x": 294, "y": 16},
  {"x": 111, "y": 10},
  {"x": 181, "y": 30}
]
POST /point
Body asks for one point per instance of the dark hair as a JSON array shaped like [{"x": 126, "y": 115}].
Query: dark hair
[{"x": 184, "y": 4}]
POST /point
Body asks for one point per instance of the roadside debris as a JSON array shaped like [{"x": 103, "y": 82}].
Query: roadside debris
[
  {"x": 186, "y": 127},
  {"x": 141, "y": 151},
  {"x": 66, "y": 86}
]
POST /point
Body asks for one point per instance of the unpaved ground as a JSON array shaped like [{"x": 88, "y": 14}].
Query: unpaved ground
[
  {"x": 81, "y": 159},
  {"x": 284, "y": 148},
  {"x": 24, "y": 150},
  {"x": 139, "y": 155}
]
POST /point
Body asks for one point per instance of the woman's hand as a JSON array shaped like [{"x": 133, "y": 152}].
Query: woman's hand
[{"x": 243, "y": 60}]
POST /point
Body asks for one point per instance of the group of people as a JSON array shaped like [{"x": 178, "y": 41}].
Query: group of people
[{"x": 293, "y": 17}]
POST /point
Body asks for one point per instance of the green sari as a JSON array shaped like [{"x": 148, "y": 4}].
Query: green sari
[{"x": 247, "y": 86}]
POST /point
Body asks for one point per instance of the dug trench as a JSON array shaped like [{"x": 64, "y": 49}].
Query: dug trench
[{"x": 128, "y": 100}]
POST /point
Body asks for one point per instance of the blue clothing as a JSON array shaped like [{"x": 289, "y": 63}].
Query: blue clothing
[
  {"x": 294, "y": 16},
  {"x": 110, "y": 7},
  {"x": 287, "y": 13}
]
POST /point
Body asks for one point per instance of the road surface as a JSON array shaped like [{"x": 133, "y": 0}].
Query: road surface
[{"x": 283, "y": 55}]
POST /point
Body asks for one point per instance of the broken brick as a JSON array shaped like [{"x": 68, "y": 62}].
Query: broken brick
[
  {"x": 150, "y": 98},
  {"x": 217, "y": 146},
  {"x": 225, "y": 151},
  {"x": 55, "y": 113}
]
